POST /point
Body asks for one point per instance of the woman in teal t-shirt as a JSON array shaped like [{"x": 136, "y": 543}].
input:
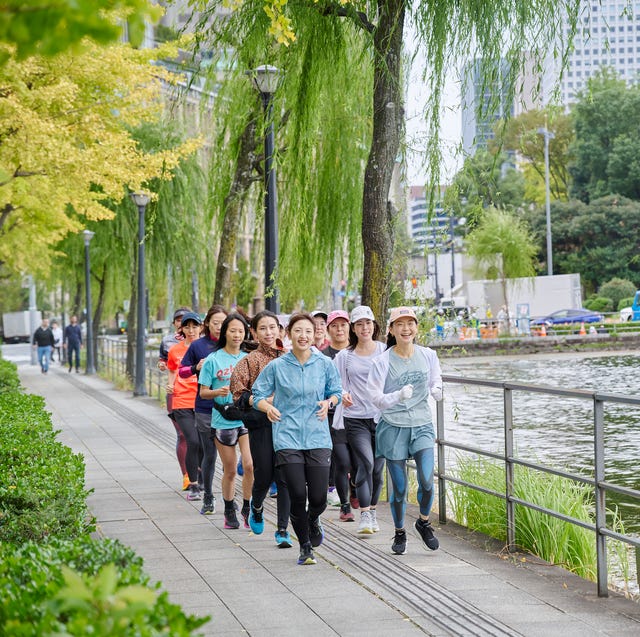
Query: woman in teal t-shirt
[{"x": 214, "y": 383}]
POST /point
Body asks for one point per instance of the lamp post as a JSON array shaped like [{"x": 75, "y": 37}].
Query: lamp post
[
  {"x": 141, "y": 200},
  {"x": 88, "y": 235},
  {"x": 547, "y": 136},
  {"x": 266, "y": 79}
]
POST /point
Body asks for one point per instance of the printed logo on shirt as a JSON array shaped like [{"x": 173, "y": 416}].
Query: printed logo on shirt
[{"x": 224, "y": 374}]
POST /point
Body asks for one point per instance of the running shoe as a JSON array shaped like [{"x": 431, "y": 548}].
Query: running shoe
[
  {"x": 283, "y": 539},
  {"x": 306, "y": 557},
  {"x": 399, "y": 546},
  {"x": 273, "y": 490},
  {"x": 374, "y": 521},
  {"x": 208, "y": 506},
  {"x": 353, "y": 498},
  {"x": 365, "y": 526},
  {"x": 245, "y": 515},
  {"x": 333, "y": 499},
  {"x": 345, "y": 514},
  {"x": 316, "y": 532},
  {"x": 231, "y": 520},
  {"x": 240, "y": 468},
  {"x": 185, "y": 482},
  {"x": 424, "y": 531},
  {"x": 194, "y": 492},
  {"x": 256, "y": 521}
]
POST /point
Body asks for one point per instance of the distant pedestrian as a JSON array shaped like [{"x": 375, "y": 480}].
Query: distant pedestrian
[
  {"x": 320, "y": 339},
  {"x": 296, "y": 392},
  {"x": 229, "y": 434},
  {"x": 167, "y": 342},
  {"x": 43, "y": 341},
  {"x": 357, "y": 415},
  {"x": 57, "y": 341},
  {"x": 399, "y": 383},
  {"x": 73, "y": 342}
]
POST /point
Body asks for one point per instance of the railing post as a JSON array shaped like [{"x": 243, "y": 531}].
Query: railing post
[
  {"x": 442, "y": 486},
  {"x": 508, "y": 469},
  {"x": 600, "y": 497}
]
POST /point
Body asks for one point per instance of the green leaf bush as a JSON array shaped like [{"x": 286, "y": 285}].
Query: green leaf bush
[
  {"x": 599, "y": 304},
  {"x": 55, "y": 579}
]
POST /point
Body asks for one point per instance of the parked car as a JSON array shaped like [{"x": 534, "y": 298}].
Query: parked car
[{"x": 581, "y": 315}]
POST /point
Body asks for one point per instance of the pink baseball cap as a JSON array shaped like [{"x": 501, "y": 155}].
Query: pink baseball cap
[
  {"x": 337, "y": 314},
  {"x": 402, "y": 312}
]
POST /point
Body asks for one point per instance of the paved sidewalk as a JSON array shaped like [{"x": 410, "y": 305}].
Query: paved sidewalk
[{"x": 250, "y": 587}]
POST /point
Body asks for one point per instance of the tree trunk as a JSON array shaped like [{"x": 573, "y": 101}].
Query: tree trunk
[
  {"x": 242, "y": 179},
  {"x": 97, "y": 315},
  {"x": 378, "y": 214}
]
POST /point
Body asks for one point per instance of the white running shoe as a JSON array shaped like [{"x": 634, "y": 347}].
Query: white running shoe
[
  {"x": 333, "y": 499},
  {"x": 365, "y": 523},
  {"x": 374, "y": 521}
]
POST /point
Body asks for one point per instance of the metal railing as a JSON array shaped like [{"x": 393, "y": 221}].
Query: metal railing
[
  {"x": 598, "y": 483},
  {"x": 112, "y": 364}
]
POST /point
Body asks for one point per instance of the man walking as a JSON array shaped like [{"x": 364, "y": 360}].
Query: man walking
[
  {"x": 43, "y": 340},
  {"x": 73, "y": 342}
]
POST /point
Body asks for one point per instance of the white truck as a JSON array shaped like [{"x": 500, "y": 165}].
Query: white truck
[{"x": 17, "y": 326}]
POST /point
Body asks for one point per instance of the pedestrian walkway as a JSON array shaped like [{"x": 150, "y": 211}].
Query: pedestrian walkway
[{"x": 250, "y": 587}]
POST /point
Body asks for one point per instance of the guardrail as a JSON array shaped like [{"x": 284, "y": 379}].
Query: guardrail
[
  {"x": 600, "y": 486},
  {"x": 112, "y": 364}
]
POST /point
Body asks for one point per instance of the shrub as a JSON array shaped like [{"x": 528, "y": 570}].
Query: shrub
[
  {"x": 626, "y": 302},
  {"x": 106, "y": 593},
  {"x": 617, "y": 289},
  {"x": 41, "y": 481},
  {"x": 9, "y": 380},
  {"x": 599, "y": 304}
]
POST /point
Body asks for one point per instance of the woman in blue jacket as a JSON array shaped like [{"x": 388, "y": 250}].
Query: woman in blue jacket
[{"x": 296, "y": 392}]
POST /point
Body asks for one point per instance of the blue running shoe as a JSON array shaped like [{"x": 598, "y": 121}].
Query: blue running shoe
[
  {"x": 240, "y": 468},
  {"x": 256, "y": 521},
  {"x": 273, "y": 490},
  {"x": 306, "y": 555},
  {"x": 283, "y": 539}
]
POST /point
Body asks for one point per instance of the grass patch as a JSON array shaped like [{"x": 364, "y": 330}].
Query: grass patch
[{"x": 549, "y": 538}]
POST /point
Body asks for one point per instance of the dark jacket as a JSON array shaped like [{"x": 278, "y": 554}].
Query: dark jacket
[
  {"x": 73, "y": 334},
  {"x": 43, "y": 337}
]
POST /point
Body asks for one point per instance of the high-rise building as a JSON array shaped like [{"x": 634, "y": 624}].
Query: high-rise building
[{"x": 607, "y": 35}]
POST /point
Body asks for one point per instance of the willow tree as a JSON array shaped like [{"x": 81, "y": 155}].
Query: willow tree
[
  {"x": 503, "y": 248},
  {"x": 444, "y": 31}
]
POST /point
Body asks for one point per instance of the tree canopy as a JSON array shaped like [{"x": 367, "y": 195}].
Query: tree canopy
[
  {"x": 607, "y": 144},
  {"x": 65, "y": 144}
]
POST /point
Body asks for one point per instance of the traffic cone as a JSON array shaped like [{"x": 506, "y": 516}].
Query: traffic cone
[
  {"x": 543, "y": 330},
  {"x": 583, "y": 332}
]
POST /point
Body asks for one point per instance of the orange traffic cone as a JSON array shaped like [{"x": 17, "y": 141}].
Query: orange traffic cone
[
  {"x": 583, "y": 332},
  {"x": 543, "y": 330}
]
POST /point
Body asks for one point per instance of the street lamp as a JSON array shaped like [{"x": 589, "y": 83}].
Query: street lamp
[
  {"x": 88, "y": 235},
  {"x": 141, "y": 200},
  {"x": 266, "y": 79},
  {"x": 547, "y": 136}
]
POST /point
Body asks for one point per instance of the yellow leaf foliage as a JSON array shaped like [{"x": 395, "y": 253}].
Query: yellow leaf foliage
[{"x": 65, "y": 145}]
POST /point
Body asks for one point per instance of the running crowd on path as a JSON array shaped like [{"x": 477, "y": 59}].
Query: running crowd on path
[{"x": 307, "y": 411}]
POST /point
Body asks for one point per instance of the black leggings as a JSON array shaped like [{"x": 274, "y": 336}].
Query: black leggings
[
  {"x": 361, "y": 434},
  {"x": 306, "y": 483},
  {"x": 265, "y": 472},
  {"x": 341, "y": 463},
  {"x": 186, "y": 419}
]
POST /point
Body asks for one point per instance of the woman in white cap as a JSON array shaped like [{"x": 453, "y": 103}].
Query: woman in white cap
[
  {"x": 358, "y": 415},
  {"x": 400, "y": 382}
]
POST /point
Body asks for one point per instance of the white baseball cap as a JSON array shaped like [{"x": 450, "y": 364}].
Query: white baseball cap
[{"x": 362, "y": 312}]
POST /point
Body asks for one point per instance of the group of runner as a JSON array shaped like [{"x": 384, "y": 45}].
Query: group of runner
[{"x": 316, "y": 410}]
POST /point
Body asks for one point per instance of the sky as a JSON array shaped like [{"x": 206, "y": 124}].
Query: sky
[{"x": 450, "y": 122}]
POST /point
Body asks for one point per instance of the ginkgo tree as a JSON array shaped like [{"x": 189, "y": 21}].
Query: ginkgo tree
[{"x": 65, "y": 143}]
